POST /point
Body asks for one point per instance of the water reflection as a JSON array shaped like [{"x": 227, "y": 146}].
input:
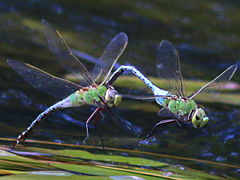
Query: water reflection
[{"x": 205, "y": 33}]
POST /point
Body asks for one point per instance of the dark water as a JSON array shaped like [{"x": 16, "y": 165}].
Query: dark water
[{"x": 206, "y": 34}]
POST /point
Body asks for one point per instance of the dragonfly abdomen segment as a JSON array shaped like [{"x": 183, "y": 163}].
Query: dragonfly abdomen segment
[
  {"x": 156, "y": 90},
  {"x": 65, "y": 103},
  {"x": 88, "y": 95}
]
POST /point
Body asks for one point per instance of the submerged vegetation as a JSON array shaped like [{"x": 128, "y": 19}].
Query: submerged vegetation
[{"x": 111, "y": 163}]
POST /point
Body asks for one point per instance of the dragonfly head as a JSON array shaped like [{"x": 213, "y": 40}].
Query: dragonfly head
[
  {"x": 199, "y": 118},
  {"x": 112, "y": 97}
]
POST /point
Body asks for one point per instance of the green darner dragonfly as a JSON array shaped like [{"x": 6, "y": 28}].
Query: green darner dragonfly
[
  {"x": 175, "y": 104},
  {"x": 100, "y": 95}
]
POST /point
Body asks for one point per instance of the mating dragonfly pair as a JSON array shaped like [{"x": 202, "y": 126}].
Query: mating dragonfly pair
[{"x": 174, "y": 104}]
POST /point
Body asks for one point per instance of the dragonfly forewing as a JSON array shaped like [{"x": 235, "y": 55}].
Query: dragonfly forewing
[
  {"x": 110, "y": 56},
  {"x": 47, "y": 83},
  {"x": 64, "y": 54},
  {"x": 168, "y": 68}
]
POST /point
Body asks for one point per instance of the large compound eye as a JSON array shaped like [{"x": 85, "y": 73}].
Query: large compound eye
[{"x": 199, "y": 118}]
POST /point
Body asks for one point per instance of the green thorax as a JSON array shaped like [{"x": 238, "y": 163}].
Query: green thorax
[
  {"x": 88, "y": 95},
  {"x": 179, "y": 106}
]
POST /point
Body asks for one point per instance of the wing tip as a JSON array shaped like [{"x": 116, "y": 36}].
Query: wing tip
[
  {"x": 235, "y": 66},
  {"x": 165, "y": 42},
  {"x": 11, "y": 61},
  {"x": 166, "y": 47},
  {"x": 44, "y": 22},
  {"x": 124, "y": 35}
]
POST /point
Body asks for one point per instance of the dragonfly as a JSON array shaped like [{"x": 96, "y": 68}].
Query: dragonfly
[
  {"x": 175, "y": 104},
  {"x": 103, "y": 96}
]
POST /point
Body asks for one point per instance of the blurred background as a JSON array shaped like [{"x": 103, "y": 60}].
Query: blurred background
[{"x": 206, "y": 33}]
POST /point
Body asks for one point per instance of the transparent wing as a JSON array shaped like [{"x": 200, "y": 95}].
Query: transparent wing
[
  {"x": 167, "y": 113},
  {"x": 54, "y": 86},
  {"x": 127, "y": 125},
  {"x": 221, "y": 79},
  {"x": 143, "y": 97},
  {"x": 168, "y": 67},
  {"x": 110, "y": 56},
  {"x": 64, "y": 55}
]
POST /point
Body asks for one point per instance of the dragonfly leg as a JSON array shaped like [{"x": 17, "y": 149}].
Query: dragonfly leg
[
  {"x": 95, "y": 112},
  {"x": 100, "y": 114},
  {"x": 106, "y": 106},
  {"x": 109, "y": 109},
  {"x": 154, "y": 129},
  {"x": 114, "y": 115}
]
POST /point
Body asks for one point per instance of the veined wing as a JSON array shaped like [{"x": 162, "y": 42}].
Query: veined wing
[
  {"x": 144, "y": 97},
  {"x": 63, "y": 53},
  {"x": 110, "y": 56},
  {"x": 164, "y": 112},
  {"x": 168, "y": 67},
  {"x": 127, "y": 125},
  {"x": 219, "y": 80},
  {"x": 54, "y": 86}
]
